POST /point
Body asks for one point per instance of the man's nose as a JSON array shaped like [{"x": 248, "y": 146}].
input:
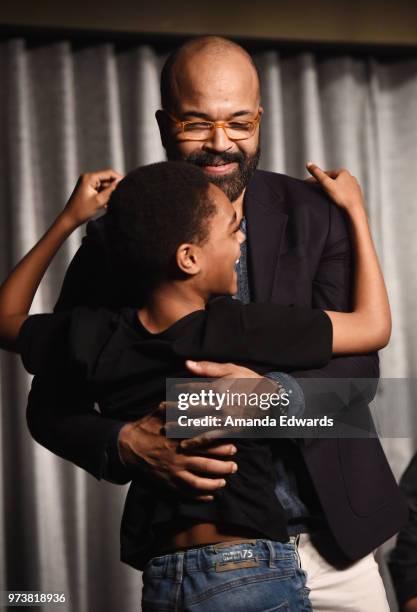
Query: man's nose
[{"x": 218, "y": 141}]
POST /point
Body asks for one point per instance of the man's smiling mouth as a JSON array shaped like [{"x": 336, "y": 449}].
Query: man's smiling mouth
[{"x": 221, "y": 168}]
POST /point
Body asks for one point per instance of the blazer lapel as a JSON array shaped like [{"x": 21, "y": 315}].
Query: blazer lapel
[{"x": 265, "y": 232}]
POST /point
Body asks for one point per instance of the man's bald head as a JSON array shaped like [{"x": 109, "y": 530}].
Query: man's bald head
[{"x": 202, "y": 58}]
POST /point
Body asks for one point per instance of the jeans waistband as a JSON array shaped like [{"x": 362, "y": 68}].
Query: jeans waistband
[
  {"x": 295, "y": 539},
  {"x": 222, "y": 556}
]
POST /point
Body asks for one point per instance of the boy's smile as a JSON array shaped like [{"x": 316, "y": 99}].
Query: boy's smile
[{"x": 221, "y": 252}]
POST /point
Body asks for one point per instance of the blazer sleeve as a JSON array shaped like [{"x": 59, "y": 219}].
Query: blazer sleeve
[
  {"x": 64, "y": 421},
  {"x": 403, "y": 557},
  {"x": 43, "y": 343}
]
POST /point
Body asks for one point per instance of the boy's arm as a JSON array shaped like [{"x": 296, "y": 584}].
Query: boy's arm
[
  {"x": 18, "y": 290},
  {"x": 260, "y": 333},
  {"x": 68, "y": 424},
  {"x": 332, "y": 288},
  {"x": 51, "y": 401}
]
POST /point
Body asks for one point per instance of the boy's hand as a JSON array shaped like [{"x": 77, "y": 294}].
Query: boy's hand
[
  {"x": 340, "y": 185},
  {"x": 91, "y": 194}
]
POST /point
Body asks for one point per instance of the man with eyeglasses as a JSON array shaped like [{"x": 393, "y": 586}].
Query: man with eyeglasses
[{"x": 339, "y": 495}]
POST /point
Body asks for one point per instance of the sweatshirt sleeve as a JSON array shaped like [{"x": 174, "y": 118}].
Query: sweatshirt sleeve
[
  {"x": 269, "y": 334},
  {"x": 67, "y": 343}
]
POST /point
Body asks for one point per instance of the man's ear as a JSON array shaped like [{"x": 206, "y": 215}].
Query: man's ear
[
  {"x": 161, "y": 119},
  {"x": 188, "y": 258}
]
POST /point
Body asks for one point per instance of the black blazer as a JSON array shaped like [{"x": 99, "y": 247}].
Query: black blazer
[
  {"x": 299, "y": 253},
  {"x": 403, "y": 558}
]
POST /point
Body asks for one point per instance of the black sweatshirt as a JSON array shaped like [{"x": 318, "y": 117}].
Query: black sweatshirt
[{"x": 111, "y": 358}]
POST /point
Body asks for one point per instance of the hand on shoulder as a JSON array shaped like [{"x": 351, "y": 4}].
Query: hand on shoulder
[{"x": 340, "y": 185}]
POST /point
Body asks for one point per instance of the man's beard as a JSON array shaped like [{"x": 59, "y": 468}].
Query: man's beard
[{"x": 235, "y": 182}]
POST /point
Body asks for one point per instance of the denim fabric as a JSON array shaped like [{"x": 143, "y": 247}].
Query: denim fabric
[
  {"x": 290, "y": 384},
  {"x": 249, "y": 576}
]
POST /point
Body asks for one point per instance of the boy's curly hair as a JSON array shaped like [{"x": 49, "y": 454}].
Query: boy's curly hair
[{"x": 152, "y": 211}]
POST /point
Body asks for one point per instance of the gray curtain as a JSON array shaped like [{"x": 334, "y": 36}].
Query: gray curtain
[{"x": 64, "y": 110}]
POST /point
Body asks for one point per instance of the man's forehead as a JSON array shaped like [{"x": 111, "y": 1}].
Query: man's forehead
[
  {"x": 228, "y": 85},
  {"x": 216, "y": 108}
]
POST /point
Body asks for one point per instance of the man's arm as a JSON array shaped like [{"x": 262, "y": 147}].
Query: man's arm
[
  {"x": 84, "y": 282},
  {"x": 91, "y": 279},
  {"x": 68, "y": 425}
]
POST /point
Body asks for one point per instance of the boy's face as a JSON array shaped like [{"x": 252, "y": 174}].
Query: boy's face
[{"x": 222, "y": 249}]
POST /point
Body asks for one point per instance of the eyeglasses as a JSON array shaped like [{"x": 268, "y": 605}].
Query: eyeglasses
[{"x": 203, "y": 130}]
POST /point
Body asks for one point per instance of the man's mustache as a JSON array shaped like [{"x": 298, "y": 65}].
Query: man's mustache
[{"x": 218, "y": 159}]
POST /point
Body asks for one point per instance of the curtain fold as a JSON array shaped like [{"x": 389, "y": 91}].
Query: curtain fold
[{"x": 65, "y": 110}]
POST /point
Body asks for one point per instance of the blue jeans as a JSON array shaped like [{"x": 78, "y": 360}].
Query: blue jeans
[{"x": 244, "y": 576}]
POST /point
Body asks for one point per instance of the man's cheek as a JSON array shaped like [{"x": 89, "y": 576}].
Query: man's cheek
[{"x": 187, "y": 148}]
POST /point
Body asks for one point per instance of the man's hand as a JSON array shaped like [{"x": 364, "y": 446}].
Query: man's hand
[
  {"x": 224, "y": 373},
  {"x": 410, "y": 605},
  {"x": 143, "y": 439},
  {"x": 91, "y": 194},
  {"x": 219, "y": 370}
]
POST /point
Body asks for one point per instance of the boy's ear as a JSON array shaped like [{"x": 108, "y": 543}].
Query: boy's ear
[{"x": 188, "y": 259}]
